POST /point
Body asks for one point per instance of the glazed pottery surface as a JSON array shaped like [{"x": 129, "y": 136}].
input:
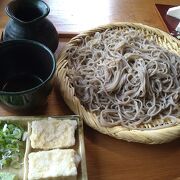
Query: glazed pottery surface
[
  {"x": 28, "y": 21},
  {"x": 26, "y": 74}
]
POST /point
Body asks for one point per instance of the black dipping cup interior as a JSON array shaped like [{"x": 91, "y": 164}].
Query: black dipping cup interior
[{"x": 26, "y": 74}]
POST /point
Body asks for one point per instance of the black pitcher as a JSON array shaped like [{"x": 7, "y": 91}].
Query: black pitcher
[{"x": 27, "y": 21}]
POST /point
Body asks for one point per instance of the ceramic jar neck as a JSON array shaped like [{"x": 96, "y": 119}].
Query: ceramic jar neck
[{"x": 27, "y": 11}]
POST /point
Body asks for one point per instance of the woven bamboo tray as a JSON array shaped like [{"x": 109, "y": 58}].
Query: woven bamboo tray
[{"x": 168, "y": 130}]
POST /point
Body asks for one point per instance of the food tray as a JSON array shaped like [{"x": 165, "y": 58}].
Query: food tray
[
  {"x": 78, "y": 147},
  {"x": 168, "y": 130}
]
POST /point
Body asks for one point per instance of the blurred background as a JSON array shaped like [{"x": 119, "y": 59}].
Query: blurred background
[{"x": 74, "y": 16}]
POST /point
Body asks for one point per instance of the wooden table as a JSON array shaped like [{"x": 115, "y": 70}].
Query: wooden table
[{"x": 108, "y": 158}]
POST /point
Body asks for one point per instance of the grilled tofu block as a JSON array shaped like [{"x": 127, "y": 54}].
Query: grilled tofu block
[
  {"x": 57, "y": 163},
  {"x": 52, "y": 133}
]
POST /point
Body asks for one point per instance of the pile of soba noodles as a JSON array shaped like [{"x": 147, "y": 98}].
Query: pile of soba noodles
[{"x": 124, "y": 78}]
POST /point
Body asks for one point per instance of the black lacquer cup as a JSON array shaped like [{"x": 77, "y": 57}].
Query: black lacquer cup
[{"x": 26, "y": 74}]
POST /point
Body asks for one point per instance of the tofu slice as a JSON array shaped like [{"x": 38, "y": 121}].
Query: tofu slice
[
  {"x": 52, "y": 133},
  {"x": 57, "y": 163}
]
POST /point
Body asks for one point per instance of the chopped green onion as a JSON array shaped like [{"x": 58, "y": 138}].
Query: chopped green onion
[{"x": 11, "y": 145}]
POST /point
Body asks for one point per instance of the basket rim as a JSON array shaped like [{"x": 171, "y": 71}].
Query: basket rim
[{"x": 130, "y": 24}]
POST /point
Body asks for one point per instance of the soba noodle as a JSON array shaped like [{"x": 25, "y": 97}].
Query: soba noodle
[{"x": 124, "y": 78}]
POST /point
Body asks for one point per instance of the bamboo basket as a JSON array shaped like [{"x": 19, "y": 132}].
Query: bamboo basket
[{"x": 167, "y": 131}]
